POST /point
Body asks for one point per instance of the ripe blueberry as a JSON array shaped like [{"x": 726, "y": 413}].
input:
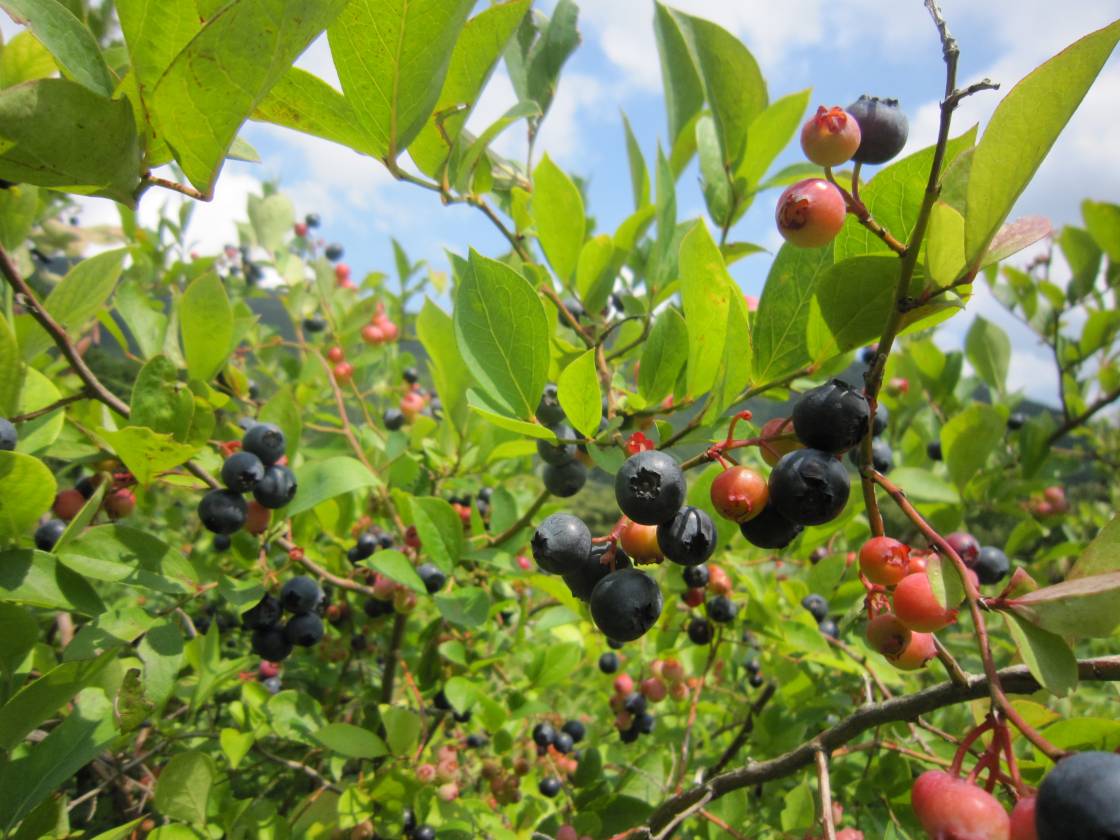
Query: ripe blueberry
[
  {"x": 549, "y": 786},
  {"x": 221, "y": 542},
  {"x": 266, "y": 441},
  {"x": 629, "y": 736},
  {"x": 770, "y": 529},
  {"x": 933, "y": 450},
  {"x": 474, "y": 740},
  {"x": 561, "y": 544},
  {"x": 9, "y": 437},
  {"x": 643, "y": 723},
  {"x": 722, "y": 609},
  {"x": 223, "y": 511},
  {"x": 881, "y": 419},
  {"x": 700, "y": 631},
  {"x": 829, "y": 628},
  {"x": 1077, "y": 799},
  {"x": 262, "y": 615},
  {"x": 300, "y": 595},
  {"x": 564, "y": 480},
  {"x": 558, "y": 454},
  {"x": 635, "y": 703},
  {"x": 576, "y": 730},
  {"x": 810, "y": 213},
  {"x": 739, "y": 494},
  {"x": 333, "y": 252},
  {"x": 411, "y": 375},
  {"x": 585, "y": 577},
  {"x": 423, "y": 832},
  {"x": 242, "y": 471},
  {"x": 544, "y": 734},
  {"x": 432, "y": 577},
  {"x": 277, "y": 488},
  {"x": 809, "y": 487},
  {"x": 882, "y": 456},
  {"x": 273, "y": 685},
  {"x": 393, "y": 419},
  {"x": 991, "y": 565},
  {"x": 695, "y": 577},
  {"x": 608, "y": 662},
  {"x": 563, "y": 743},
  {"x": 883, "y": 128},
  {"x": 365, "y": 545},
  {"x": 271, "y": 643},
  {"x": 376, "y": 608},
  {"x": 832, "y": 417},
  {"x": 304, "y": 630},
  {"x": 830, "y": 137},
  {"x": 314, "y": 324},
  {"x": 312, "y": 220},
  {"x": 689, "y": 538},
  {"x": 649, "y": 487},
  {"x": 549, "y": 411},
  {"x": 966, "y": 546},
  {"x": 1016, "y": 420},
  {"x": 816, "y": 605},
  {"x": 47, "y": 534},
  {"x": 626, "y": 604}
]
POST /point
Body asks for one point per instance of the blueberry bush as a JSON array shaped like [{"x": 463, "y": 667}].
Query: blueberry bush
[{"x": 576, "y": 541}]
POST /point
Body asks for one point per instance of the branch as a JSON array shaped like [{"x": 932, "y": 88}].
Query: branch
[
  {"x": 1015, "y": 680},
  {"x": 1101, "y": 402},
  {"x": 389, "y": 669},
  {"x": 48, "y": 409},
  {"x": 744, "y": 732},
  {"x": 522, "y": 520},
  {"x": 182, "y": 189},
  {"x": 825, "y": 785}
]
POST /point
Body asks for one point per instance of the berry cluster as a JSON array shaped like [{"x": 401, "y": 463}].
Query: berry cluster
[
  {"x": 818, "y": 607},
  {"x": 119, "y": 502},
  {"x": 811, "y": 212},
  {"x": 272, "y": 640},
  {"x": 259, "y": 467},
  {"x": 712, "y": 582},
  {"x": 630, "y": 706},
  {"x": 564, "y": 474}
]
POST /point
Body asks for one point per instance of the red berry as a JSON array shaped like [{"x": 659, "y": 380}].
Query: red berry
[
  {"x": 694, "y": 597},
  {"x": 372, "y": 334},
  {"x": 884, "y": 560},
  {"x": 966, "y": 546},
  {"x": 567, "y": 832},
  {"x": 120, "y": 503},
  {"x": 640, "y": 542},
  {"x": 810, "y": 213},
  {"x": 739, "y": 494},
  {"x": 654, "y": 689},
  {"x": 301, "y": 229},
  {"x": 335, "y": 354},
  {"x": 623, "y": 684},
  {"x": 718, "y": 581},
  {"x": 411, "y": 404},
  {"x": 524, "y": 563},
  {"x": 672, "y": 670},
  {"x": 68, "y": 503},
  {"x": 887, "y": 635},
  {"x": 1022, "y": 820},
  {"x": 257, "y": 518},
  {"x": 343, "y": 371},
  {"x": 773, "y": 449},
  {"x": 954, "y": 809},
  {"x": 917, "y": 606},
  {"x": 830, "y": 137},
  {"x": 342, "y": 273}
]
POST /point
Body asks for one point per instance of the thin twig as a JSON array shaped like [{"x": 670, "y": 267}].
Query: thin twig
[
  {"x": 53, "y": 407},
  {"x": 825, "y": 786}
]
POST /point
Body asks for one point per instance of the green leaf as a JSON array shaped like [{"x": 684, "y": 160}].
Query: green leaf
[
  {"x": 120, "y": 554},
  {"x": 1048, "y": 657},
  {"x": 558, "y": 215},
  {"x": 235, "y": 745},
  {"x": 780, "y": 334},
  {"x": 56, "y": 133},
  {"x": 395, "y": 566},
  {"x": 598, "y": 266},
  {"x": 161, "y": 651},
  {"x": 664, "y": 355},
  {"x": 503, "y": 335},
  {"x": 579, "y": 393},
  {"x": 554, "y": 664},
  {"x": 19, "y": 206},
  {"x": 351, "y": 741},
  {"x": 923, "y": 486},
  {"x": 326, "y": 479},
  {"x": 12, "y": 370},
  {"x": 713, "y": 304},
  {"x": 272, "y": 218},
  {"x": 18, "y": 634},
  {"x": 304, "y": 102},
  {"x": 499, "y": 417},
  {"x": 894, "y": 197},
  {"x": 38, "y": 580},
  {"x": 1102, "y": 220},
  {"x": 466, "y": 607},
  {"x": 283, "y": 410},
  {"x": 684, "y": 92},
  {"x": 206, "y": 326},
  {"x": 799, "y": 809},
  {"x": 27, "y": 490},
  {"x": 440, "y": 530},
  {"x": 945, "y": 258},
  {"x": 220, "y": 77},
  {"x": 42, "y": 698},
  {"x": 769, "y": 133},
  {"x": 72, "y": 44},
  {"x": 477, "y": 51},
  {"x": 402, "y": 728},
  {"x": 80, "y": 295},
  {"x": 989, "y": 351},
  {"x": 548, "y": 55},
  {"x": 719, "y": 194},
  {"x": 850, "y": 305},
  {"x": 392, "y": 57},
  {"x": 733, "y": 84},
  {"x": 159, "y": 401},
  {"x": 968, "y": 439},
  {"x": 463, "y": 168},
  {"x": 639, "y": 172},
  {"x": 1085, "y": 607},
  {"x": 450, "y": 377},
  {"x": 183, "y": 789},
  {"x": 147, "y": 453},
  {"x": 24, "y": 59},
  {"x": 945, "y": 581},
  {"x": 1101, "y": 555},
  {"x": 30, "y": 778},
  {"x": 1022, "y": 130}
]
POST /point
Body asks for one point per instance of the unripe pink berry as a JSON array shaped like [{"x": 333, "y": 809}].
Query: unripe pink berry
[
  {"x": 830, "y": 137},
  {"x": 654, "y": 689},
  {"x": 425, "y": 773},
  {"x": 810, "y": 213}
]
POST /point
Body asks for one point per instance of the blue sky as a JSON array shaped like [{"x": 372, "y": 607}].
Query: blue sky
[{"x": 839, "y": 48}]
